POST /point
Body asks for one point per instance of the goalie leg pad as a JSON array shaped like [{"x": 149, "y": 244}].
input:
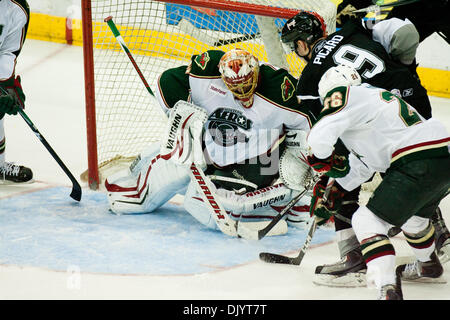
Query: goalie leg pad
[
  {"x": 149, "y": 183},
  {"x": 193, "y": 203},
  {"x": 264, "y": 204},
  {"x": 253, "y": 209}
]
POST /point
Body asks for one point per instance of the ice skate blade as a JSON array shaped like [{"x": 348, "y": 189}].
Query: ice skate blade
[
  {"x": 349, "y": 280},
  {"x": 440, "y": 280}
]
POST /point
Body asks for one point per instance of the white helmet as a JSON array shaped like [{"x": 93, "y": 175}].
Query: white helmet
[{"x": 338, "y": 76}]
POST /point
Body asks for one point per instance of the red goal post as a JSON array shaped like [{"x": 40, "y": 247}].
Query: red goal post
[{"x": 121, "y": 117}]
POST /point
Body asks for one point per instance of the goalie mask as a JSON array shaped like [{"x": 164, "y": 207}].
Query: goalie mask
[
  {"x": 240, "y": 72},
  {"x": 339, "y": 76}
]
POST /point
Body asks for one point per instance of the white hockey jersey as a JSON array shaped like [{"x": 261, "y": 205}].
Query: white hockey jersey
[
  {"x": 377, "y": 128},
  {"x": 13, "y": 22},
  {"x": 234, "y": 133}
]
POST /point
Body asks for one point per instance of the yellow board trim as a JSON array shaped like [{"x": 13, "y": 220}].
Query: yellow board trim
[{"x": 51, "y": 28}]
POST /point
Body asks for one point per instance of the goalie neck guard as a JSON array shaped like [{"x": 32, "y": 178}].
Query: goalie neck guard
[{"x": 240, "y": 73}]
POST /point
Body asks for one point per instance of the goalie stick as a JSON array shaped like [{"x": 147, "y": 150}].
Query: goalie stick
[
  {"x": 276, "y": 258},
  {"x": 223, "y": 221},
  {"x": 76, "y": 188}
]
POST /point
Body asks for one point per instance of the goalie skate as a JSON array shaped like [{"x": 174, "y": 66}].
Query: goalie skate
[
  {"x": 14, "y": 174},
  {"x": 349, "y": 272}
]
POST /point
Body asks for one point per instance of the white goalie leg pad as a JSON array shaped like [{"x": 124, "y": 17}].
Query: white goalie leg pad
[
  {"x": 182, "y": 142},
  {"x": 255, "y": 214},
  {"x": 261, "y": 204},
  {"x": 149, "y": 183},
  {"x": 194, "y": 204},
  {"x": 259, "y": 207}
]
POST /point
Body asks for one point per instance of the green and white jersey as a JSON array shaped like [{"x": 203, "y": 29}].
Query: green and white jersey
[
  {"x": 14, "y": 17},
  {"x": 233, "y": 133},
  {"x": 377, "y": 127}
]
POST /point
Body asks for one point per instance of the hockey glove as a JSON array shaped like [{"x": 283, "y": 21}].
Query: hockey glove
[
  {"x": 334, "y": 166},
  {"x": 325, "y": 210},
  {"x": 345, "y": 11},
  {"x": 11, "y": 96}
]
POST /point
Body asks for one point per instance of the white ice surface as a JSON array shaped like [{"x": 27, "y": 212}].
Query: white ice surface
[{"x": 52, "y": 77}]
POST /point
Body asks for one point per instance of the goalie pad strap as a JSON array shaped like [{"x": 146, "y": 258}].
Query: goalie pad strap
[{"x": 233, "y": 180}]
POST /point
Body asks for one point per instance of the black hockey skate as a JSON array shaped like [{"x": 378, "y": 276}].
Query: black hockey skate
[
  {"x": 442, "y": 237},
  {"x": 12, "y": 174},
  {"x": 349, "y": 272},
  {"x": 417, "y": 271}
]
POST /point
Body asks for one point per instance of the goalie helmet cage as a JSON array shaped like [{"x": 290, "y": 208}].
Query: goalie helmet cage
[{"x": 122, "y": 118}]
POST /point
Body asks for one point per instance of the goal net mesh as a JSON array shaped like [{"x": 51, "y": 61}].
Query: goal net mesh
[{"x": 162, "y": 35}]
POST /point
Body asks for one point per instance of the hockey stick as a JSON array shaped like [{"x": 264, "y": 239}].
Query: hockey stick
[
  {"x": 76, "y": 189},
  {"x": 276, "y": 258},
  {"x": 223, "y": 221},
  {"x": 377, "y": 7},
  {"x": 124, "y": 47}
]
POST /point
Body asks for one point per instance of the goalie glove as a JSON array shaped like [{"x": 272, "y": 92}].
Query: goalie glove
[
  {"x": 335, "y": 166},
  {"x": 323, "y": 211},
  {"x": 182, "y": 142},
  {"x": 294, "y": 170},
  {"x": 11, "y": 96}
]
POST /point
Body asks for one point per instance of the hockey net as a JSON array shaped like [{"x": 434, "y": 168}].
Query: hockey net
[{"x": 122, "y": 117}]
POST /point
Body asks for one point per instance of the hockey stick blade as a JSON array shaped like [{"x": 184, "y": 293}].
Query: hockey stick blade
[
  {"x": 276, "y": 258},
  {"x": 383, "y": 6}
]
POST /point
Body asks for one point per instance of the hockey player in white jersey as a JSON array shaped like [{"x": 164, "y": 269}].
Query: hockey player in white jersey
[
  {"x": 239, "y": 121},
  {"x": 384, "y": 134},
  {"x": 14, "y": 17}
]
